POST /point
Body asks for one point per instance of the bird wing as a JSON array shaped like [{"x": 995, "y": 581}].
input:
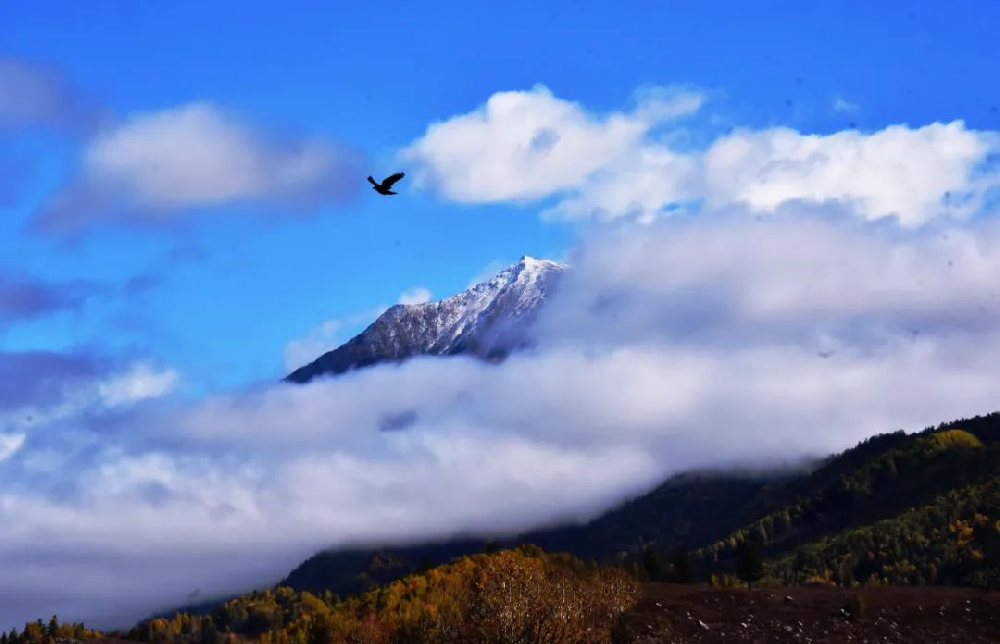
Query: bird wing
[
  {"x": 372, "y": 181},
  {"x": 388, "y": 181}
]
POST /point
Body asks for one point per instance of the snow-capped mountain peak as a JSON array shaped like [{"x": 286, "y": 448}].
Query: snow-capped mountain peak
[{"x": 487, "y": 320}]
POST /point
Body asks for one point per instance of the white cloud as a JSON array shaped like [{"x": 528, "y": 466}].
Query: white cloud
[
  {"x": 843, "y": 105},
  {"x": 652, "y": 179},
  {"x": 196, "y": 155},
  {"x": 62, "y": 389},
  {"x": 154, "y": 165},
  {"x": 415, "y": 295},
  {"x": 896, "y": 171},
  {"x": 9, "y": 444},
  {"x": 140, "y": 383},
  {"x": 609, "y": 166},
  {"x": 530, "y": 144}
]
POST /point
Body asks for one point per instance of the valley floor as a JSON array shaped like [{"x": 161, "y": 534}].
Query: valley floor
[{"x": 803, "y": 615}]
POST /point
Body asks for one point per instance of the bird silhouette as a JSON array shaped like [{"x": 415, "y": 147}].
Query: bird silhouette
[{"x": 385, "y": 188}]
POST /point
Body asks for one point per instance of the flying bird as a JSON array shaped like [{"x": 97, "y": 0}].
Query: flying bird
[{"x": 385, "y": 188}]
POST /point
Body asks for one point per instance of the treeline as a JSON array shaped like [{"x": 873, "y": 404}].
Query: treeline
[
  {"x": 40, "y": 632},
  {"x": 955, "y": 540},
  {"x": 909, "y": 473},
  {"x": 521, "y": 595},
  {"x": 879, "y": 479}
]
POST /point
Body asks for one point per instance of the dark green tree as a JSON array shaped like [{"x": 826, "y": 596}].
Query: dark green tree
[
  {"x": 749, "y": 563},
  {"x": 653, "y": 565},
  {"x": 681, "y": 563},
  {"x": 209, "y": 634}
]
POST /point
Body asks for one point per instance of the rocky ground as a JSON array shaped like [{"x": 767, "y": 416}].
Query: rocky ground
[{"x": 806, "y": 615}]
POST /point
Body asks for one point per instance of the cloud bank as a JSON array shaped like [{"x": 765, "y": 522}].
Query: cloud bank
[
  {"x": 607, "y": 166},
  {"x": 38, "y": 388},
  {"x": 537, "y": 144},
  {"x": 707, "y": 342}
]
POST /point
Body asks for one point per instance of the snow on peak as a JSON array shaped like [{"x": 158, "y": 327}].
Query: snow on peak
[
  {"x": 488, "y": 319},
  {"x": 526, "y": 271},
  {"x": 507, "y": 299}
]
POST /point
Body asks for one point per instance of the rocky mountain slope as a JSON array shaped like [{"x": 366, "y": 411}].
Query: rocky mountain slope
[{"x": 487, "y": 320}]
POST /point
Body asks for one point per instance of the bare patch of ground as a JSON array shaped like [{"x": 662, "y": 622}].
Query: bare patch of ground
[{"x": 813, "y": 615}]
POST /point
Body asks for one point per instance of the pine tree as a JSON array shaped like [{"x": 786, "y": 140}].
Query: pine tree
[
  {"x": 209, "y": 635},
  {"x": 749, "y": 563},
  {"x": 682, "y": 566},
  {"x": 653, "y": 565}
]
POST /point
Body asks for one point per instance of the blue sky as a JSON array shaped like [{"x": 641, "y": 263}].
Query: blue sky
[{"x": 374, "y": 79}]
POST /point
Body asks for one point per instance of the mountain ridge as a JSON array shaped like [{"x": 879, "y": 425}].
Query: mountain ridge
[{"x": 487, "y": 320}]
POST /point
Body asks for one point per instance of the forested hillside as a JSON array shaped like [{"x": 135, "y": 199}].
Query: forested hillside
[
  {"x": 917, "y": 509},
  {"x": 897, "y": 508},
  {"x": 521, "y": 595}
]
